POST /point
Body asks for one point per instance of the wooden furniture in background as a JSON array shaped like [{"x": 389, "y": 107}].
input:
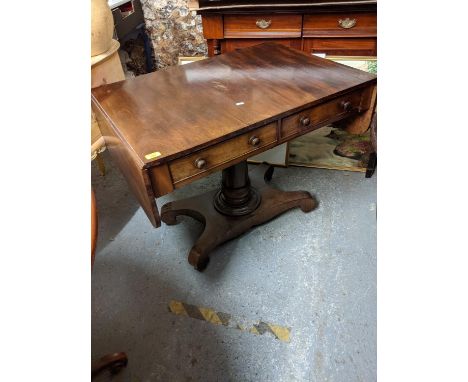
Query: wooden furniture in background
[
  {"x": 105, "y": 69},
  {"x": 232, "y": 106},
  {"x": 342, "y": 28},
  {"x": 105, "y": 66},
  {"x": 332, "y": 27}
]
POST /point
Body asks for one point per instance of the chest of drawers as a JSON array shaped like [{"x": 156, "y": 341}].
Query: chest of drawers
[{"x": 337, "y": 28}]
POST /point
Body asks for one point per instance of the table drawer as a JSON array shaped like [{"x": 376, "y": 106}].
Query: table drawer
[
  {"x": 318, "y": 116},
  {"x": 230, "y": 45},
  {"x": 262, "y": 25},
  {"x": 222, "y": 153},
  {"x": 342, "y": 46},
  {"x": 340, "y": 25}
]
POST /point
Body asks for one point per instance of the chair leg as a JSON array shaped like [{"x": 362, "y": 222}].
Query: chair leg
[
  {"x": 100, "y": 164},
  {"x": 112, "y": 362},
  {"x": 371, "y": 165}
]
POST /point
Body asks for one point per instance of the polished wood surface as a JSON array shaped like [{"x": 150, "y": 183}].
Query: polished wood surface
[
  {"x": 359, "y": 123},
  {"x": 129, "y": 164},
  {"x": 244, "y": 5},
  {"x": 322, "y": 115},
  {"x": 262, "y": 203},
  {"x": 330, "y": 27},
  {"x": 230, "y": 45},
  {"x": 181, "y": 109},
  {"x": 262, "y": 25},
  {"x": 213, "y": 26},
  {"x": 338, "y": 28},
  {"x": 364, "y": 24},
  {"x": 223, "y": 153},
  {"x": 341, "y": 46},
  {"x": 169, "y": 128}
]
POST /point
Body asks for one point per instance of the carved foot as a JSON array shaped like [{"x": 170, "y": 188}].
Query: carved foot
[
  {"x": 198, "y": 260},
  {"x": 187, "y": 207},
  {"x": 220, "y": 228},
  {"x": 308, "y": 204},
  {"x": 168, "y": 216}
]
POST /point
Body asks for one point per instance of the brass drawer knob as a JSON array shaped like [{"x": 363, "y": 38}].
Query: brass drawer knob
[
  {"x": 254, "y": 141},
  {"x": 347, "y": 23},
  {"x": 305, "y": 121},
  {"x": 346, "y": 105},
  {"x": 263, "y": 24},
  {"x": 200, "y": 163}
]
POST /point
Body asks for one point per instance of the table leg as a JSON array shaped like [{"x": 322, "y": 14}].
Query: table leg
[
  {"x": 234, "y": 209},
  {"x": 112, "y": 362}
]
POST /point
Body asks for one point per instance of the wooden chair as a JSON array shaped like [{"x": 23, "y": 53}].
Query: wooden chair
[
  {"x": 116, "y": 361},
  {"x": 105, "y": 66}
]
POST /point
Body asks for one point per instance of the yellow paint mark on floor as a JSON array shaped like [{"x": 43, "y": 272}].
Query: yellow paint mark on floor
[
  {"x": 210, "y": 316},
  {"x": 281, "y": 333},
  {"x": 177, "y": 307}
]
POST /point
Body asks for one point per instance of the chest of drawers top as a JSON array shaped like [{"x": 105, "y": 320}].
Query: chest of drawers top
[
  {"x": 225, "y": 5},
  {"x": 182, "y": 109}
]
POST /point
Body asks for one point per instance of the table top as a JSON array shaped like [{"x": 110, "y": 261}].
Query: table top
[
  {"x": 245, "y": 4},
  {"x": 169, "y": 113}
]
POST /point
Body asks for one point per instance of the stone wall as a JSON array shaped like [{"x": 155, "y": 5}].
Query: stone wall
[{"x": 174, "y": 31}]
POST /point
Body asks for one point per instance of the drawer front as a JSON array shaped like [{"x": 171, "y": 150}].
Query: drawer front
[
  {"x": 231, "y": 45},
  {"x": 342, "y": 46},
  {"x": 340, "y": 25},
  {"x": 262, "y": 25},
  {"x": 317, "y": 116},
  {"x": 222, "y": 153}
]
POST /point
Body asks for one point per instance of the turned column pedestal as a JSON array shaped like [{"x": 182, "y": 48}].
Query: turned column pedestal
[{"x": 241, "y": 203}]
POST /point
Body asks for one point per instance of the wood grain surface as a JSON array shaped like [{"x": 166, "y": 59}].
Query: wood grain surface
[
  {"x": 342, "y": 46},
  {"x": 222, "y": 153},
  {"x": 129, "y": 164},
  {"x": 327, "y": 25},
  {"x": 229, "y": 45},
  {"x": 181, "y": 109},
  {"x": 245, "y": 26}
]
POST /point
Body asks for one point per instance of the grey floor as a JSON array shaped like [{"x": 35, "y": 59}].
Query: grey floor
[{"x": 314, "y": 273}]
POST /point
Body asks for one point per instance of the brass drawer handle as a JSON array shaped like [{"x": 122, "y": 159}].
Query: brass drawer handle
[
  {"x": 254, "y": 141},
  {"x": 305, "y": 121},
  {"x": 347, "y": 23},
  {"x": 263, "y": 24},
  {"x": 200, "y": 163}
]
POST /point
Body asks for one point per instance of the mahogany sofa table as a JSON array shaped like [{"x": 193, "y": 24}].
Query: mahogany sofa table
[{"x": 169, "y": 128}]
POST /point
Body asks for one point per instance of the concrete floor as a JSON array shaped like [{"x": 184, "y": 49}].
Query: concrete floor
[{"x": 314, "y": 273}]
